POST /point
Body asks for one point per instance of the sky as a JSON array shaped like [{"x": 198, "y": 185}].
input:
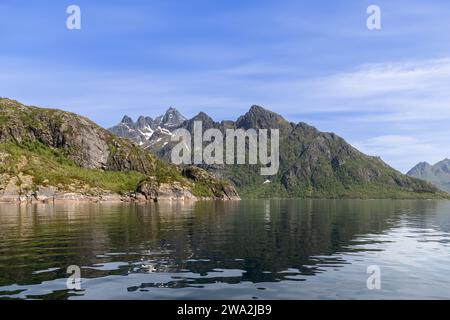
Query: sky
[{"x": 387, "y": 92}]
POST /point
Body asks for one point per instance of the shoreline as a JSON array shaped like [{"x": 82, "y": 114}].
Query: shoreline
[
  {"x": 116, "y": 199},
  {"x": 109, "y": 198}
]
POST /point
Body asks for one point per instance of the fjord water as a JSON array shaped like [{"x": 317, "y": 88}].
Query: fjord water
[{"x": 252, "y": 249}]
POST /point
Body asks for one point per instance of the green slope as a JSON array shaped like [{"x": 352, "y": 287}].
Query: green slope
[
  {"x": 48, "y": 147},
  {"x": 313, "y": 164}
]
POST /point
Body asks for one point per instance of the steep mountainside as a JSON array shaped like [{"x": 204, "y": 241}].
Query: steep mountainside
[
  {"x": 438, "y": 174},
  {"x": 312, "y": 163},
  {"x": 56, "y": 153}
]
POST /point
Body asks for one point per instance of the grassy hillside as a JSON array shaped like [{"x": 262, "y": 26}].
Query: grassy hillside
[
  {"x": 51, "y": 167},
  {"x": 45, "y": 147}
]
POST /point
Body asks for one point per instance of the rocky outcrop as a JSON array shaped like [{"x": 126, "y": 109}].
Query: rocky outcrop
[
  {"x": 21, "y": 189},
  {"x": 154, "y": 191},
  {"x": 147, "y": 192},
  {"x": 222, "y": 191}
]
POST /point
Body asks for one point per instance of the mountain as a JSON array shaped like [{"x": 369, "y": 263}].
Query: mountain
[
  {"x": 312, "y": 163},
  {"x": 144, "y": 128},
  {"x": 171, "y": 119},
  {"x": 438, "y": 174},
  {"x": 52, "y": 154}
]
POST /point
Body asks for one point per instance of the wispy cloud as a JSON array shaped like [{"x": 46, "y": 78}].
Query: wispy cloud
[
  {"x": 416, "y": 86},
  {"x": 403, "y": 151}
]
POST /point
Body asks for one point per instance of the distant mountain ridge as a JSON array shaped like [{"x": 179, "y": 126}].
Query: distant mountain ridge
[
  {"x": 144, "y": 128},
  {"x": 438, "y": 174},
  {"x": 312, "y": 163}
]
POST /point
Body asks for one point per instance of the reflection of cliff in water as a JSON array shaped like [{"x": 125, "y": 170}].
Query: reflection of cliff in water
[{"x": 260, "y": 237}]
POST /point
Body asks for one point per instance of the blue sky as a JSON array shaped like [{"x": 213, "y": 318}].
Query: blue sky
[{"x": 386, "y": 92}]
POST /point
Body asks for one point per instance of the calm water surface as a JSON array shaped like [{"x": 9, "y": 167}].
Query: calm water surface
[{"x": 255, "y": 249}]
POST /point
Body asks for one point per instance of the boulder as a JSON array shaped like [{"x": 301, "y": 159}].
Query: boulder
[
  {"x": 152, "y": 190},
  {"x": 45, "y": 193},
  {"x": 71, "y": 196},
  {"x": 11, "y": 190}
]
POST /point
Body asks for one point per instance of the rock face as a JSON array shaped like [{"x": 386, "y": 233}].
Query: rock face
[
  {"x": 438, "y": 174},
  {"x": 164, "y": 191},
  {"x": 45, "y": 193},
  {"x": 312, "y": 163},
  {"x": 220, "y": 191},
  {"x": 84, "y": 142},
  {"x": 53, "y": 155},
  {"x": 138, "y": 132}
]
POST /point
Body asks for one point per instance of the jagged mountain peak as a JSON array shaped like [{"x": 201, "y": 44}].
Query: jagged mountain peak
[
  {"x": 139, "y": 131},
  {"x": 141, "y": 120},
  {"x": 207, "y": 122},
  {"x": 257, "y": 110},
  {"x": 259, "y": 117},
  {"x": 126, "y": 119},
  {"x": 172, "y": 118},
  {"x": 144, "y": 128},
  {"x": 171, "y": 110},
  {"x": 146, "y": 123},
  {"x": 202, "y": 116}
]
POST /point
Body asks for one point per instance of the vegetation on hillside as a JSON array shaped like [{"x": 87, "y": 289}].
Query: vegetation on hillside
[
  {"x": 313, "y": 164},
  {"x": 61, "y": 149},
  {"x": 49, "y": 166}
]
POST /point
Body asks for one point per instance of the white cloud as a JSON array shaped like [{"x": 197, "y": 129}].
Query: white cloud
[
  {"x": 380, "y": 79},
  {"x": 390, "y": 89}
]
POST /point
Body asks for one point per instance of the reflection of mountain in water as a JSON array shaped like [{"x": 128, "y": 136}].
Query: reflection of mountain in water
[{"x": 203, "y": 242}]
